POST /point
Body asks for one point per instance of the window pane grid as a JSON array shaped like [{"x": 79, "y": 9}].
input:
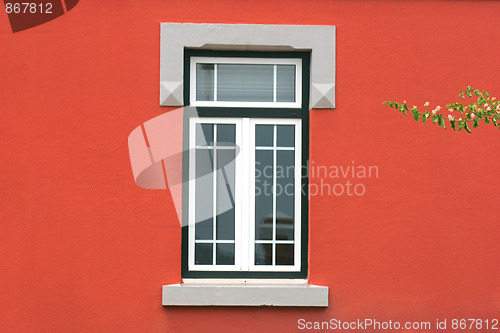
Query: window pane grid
[
  {"x": 219, "y": 147},
  {"x": 212, "y": 137},
  {"x": 205, "y": 241},
  {"x": 253, "y": 82},
  {"x": 274, "y": 148},
  {"x": 275, "y": 140},
  {"x": 273, "y": 231},
  {"x": 265, "y": 250},
  {"x": 275, "y": 242}
]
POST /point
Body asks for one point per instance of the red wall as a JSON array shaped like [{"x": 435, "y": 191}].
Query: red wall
[{"x": 83, "y": 249}]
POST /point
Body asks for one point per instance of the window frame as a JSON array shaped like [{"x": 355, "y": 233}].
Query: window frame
[
  {"x": 244, "y": 164},
  {"x": 297, "y": 62},
  {"x": 248, "y": 112}
]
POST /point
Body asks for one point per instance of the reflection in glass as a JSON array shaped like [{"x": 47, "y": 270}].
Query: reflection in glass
[
  {"x": 263, "y": 194},
  {"x": 204, "y": 82},
  {"x": 245, "y": 82},
  {"x": 286, "y": 135},
  {"x": 203, "y": 254},
  {"x": 284, "y": 254},
  {"x": 204, "y": 134},
  {"x": 285, "y": 83},
  {"x": 285, "y": 161},
  {"x": 263, "y": 254},
  {"x": 225, "y": 194},
  {"x": 226, "y": 134},
  {"x": 264, "y": 135},
  {"x": 204, "y": 194},
  {"x": 224, "y": 254}
]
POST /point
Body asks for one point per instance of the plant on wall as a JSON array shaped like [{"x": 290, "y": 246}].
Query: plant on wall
[{"x": 459, "y": 115}]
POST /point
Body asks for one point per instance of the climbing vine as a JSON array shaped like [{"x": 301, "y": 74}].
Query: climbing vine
[{"x": 459, "y": 115}]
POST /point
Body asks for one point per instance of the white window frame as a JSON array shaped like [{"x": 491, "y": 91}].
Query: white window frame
[
  {"x": 251, "y": 61},
  {"x": 244, "y": 195}
]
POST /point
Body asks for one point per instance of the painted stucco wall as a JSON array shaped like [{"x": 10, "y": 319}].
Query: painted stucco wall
[{"x": 83, "y": 249}]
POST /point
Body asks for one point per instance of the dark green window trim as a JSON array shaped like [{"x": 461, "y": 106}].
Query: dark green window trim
[{"x": 302, "y": 113}]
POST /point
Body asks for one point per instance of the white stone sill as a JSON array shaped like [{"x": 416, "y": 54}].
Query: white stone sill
[{"x": 216, "y": 292}]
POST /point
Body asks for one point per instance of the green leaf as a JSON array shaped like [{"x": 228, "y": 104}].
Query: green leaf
[
  {"x": 434, "y": 118},
  {"x": 486, "y": 120},
  {"x": 476, "y": 123},
  {"x": 416, "y": 115},
  {"x": 441, "y": 121},
  {"x": 452, "y": 123},
  {"x": 467, "y": 127}
]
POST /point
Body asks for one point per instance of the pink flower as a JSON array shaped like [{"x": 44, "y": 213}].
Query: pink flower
[
  {"x": 472, "y": 115},
  {"x": 451, "y": 110},
  {"x": 426, "y": 104},
  {"x": 450, "y": 117},
  {"x": 488, "y": 108}
]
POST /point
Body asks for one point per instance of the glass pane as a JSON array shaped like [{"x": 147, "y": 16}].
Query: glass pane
[
  {"x": 203, "y": 254},
  {"x": 263, "y": 254},
  {"x": 284, "y": 254},
  {"x": 286, "y": 135},
  {"x": 225, "y": 254},
  {"x": 285, "y": 83},
  {"x": 264, "y": 135},
  {"x": 204, "y": 134},
  {"x": 226, "y": 135},
  {"x": 204, "y": 82},
  {"x": 245, "y": 82},
  {"x": 285, "y": 161},
  {"x": 204, "y": 194},
  {"x": 225, "y": 194},
  {"x": 263, "y": 194}
]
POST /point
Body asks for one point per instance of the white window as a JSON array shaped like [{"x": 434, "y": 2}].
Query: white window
[
  {"x": 244, "y": 194},
  {"x": 248, "y": 82}
]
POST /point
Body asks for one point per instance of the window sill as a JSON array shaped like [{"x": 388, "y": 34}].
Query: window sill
[{"x": 245, "y": 293}]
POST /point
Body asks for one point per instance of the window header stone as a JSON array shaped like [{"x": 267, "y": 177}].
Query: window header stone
[{"x": 319, "y": 39}]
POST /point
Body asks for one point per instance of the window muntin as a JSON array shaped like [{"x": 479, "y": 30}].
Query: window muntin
[
  {"x": 240, "y": 224},
  {"x": 250, "y": 82},
  {"x": 214, "y": 180},
  {"x": 276, "y": 184}
]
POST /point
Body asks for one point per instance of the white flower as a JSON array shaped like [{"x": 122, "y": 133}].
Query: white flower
[
  {"x": 426, "y": 104},
  {"x": 450, "y": 117}
]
